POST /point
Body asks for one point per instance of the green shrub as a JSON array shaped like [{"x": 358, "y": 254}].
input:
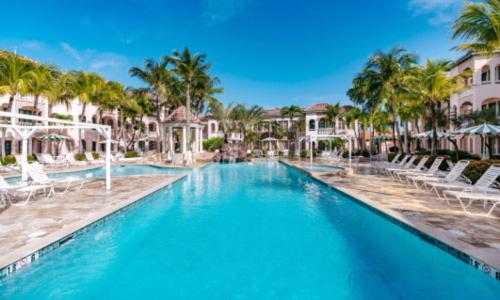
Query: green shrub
[
  {"x": 303, "y": 153},
  {"x": 95, "y": 155},
  {"x": 291, "y": 153},
  {"x": 280, "y": 153},
  {"x": 80, "y": 157},
  {"x": 264, "y": 153},
  {"x": 131, "y": 154},
  {"x": 31, "y": 158},
  {"x": 213, "y": 144},
  {"x": 9, "y": 160},
  {"x": 391, "y": 155},
  {"x": 476, "y": 168}
]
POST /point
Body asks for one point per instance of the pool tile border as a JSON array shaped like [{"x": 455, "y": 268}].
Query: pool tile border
[
  {"x": 461, "y": 255},
  {"x": 28, "y": 259}
]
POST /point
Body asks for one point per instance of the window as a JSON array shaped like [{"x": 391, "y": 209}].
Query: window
[
  {"x": 84, "y": 145},
  {"x": 312, "y": 125},
  {"x": 485, "y": 74},
  {"x": 8, "y": 147},
  {"x": 94, "y": 146},
  {"x": 152, "y": 127},
  {"x": 322, "y": 123},
  {"x": 497, "y": 74},
  {"x": 94, "y": 119},
  {"x": 213, "y": 127}
]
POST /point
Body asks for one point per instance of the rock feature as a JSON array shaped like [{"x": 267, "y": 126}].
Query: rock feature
[{"x": 231, "y": 153}]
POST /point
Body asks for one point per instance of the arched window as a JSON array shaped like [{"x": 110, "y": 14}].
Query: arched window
[
  {"x": 152, "y": 127},
  {"x": 322, "y": 123},
  {"x": 485, "y": 74},
  {"x": 465, "y": 108},
  {"x": 213, "y": 127},
  {"x": 84, "y": 119},
  {"x": 492, "y": 104},
  {"x": 312, "y": 125},
  {"x": 94, "y": 119}
]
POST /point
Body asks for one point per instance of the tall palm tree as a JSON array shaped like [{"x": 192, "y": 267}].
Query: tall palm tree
[
  {"x": 389, "y": 70},
  {"x": 59, "y": 91},
  {"x": 290, "y": 112},
  {"x": 225, "y": 117},
  {"x": 189, "y": 67},
  {"x": 431, "y": 85},
  {"x": 88, "y": 88},
  {"x": 352, "y": 118},
  {"x": 248, "y": 118},
  {"x": 479, "y": 23},
  {"x": 41, "y": 79},
  {"x": 334, "y": 113},
  {"x": 15, "y": 73},
  {"x": 157, "y": 76}
]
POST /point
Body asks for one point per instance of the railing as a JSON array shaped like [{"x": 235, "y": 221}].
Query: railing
[{"x": 326, "y": 131}]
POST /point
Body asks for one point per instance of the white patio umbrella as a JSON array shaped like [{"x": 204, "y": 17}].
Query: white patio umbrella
[
  {"x": 428, "y": 134},
  {"x": 482, "y": 130}
]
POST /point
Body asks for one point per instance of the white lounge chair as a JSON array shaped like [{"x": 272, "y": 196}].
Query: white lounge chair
[
  {"x": 406, "y": 163},
  {"x": 6, "y": 189},
  {"x": 472, "y": 197},
  {"x": 38, "y": 176},
  {"x": 91, "y": 159},
  {"x": 399, "y": 174},
  {"x": 483, "y": 185},
  {"x": 47, "y": 159},
  {"x": 454, "y": 175},
  {"x": 388, "y": 164},
  {"x": 70, "y": 158},
  {"x": 434, "y": 168}
]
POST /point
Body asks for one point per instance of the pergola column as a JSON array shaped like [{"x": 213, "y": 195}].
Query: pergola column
[
  {"x": 184, "y": 140},
  {"x": 170, "y": 139},
  {"x": 200, "y": 146}
]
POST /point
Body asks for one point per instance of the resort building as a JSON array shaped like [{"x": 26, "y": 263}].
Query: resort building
[{"x": 483, "y": 92}]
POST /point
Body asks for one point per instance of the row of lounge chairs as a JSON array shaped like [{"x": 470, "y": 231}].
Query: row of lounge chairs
[
  {"x": 63, "y": 161},
  {"x": 39, "y": 181},
  {"x": 449, "y": 186}
]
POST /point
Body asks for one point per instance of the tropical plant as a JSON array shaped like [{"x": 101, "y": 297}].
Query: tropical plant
[
  {"x": 290, "y": 112},
  {"x": 15, "y": 73},
  {"x": 225, "y": 117},
  {"x": 479, "y": 24},
  {"x": 190, "y": 68},
  {"x": 247, "y": 118},
  {"x": 431, "y": 85},
  {"x": 41, "y": 79},
  {"x": 159, "y": 79},
  {"x": 334, "y": 113}
]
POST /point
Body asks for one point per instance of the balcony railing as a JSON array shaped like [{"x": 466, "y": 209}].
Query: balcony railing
[{"x": 326, "y": 131}]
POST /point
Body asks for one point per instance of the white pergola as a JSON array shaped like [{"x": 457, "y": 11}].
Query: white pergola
[
  {"x": 326, "y": 137},
  {"x": 26, "y": 131}
]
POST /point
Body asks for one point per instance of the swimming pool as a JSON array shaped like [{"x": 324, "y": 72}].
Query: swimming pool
[{"x": 248, "y": 231}]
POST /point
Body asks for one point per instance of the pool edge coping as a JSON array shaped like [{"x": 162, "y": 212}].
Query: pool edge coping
[
  {"x": 30, "y": 253},
  {"x": 391, "y": 216}
]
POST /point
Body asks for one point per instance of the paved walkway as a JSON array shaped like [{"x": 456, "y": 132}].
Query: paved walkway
[
  {"x": 475, "y": 235},
  {"x": 25, "y": 229}
]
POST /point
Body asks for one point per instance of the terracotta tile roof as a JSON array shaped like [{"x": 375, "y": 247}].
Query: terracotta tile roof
[
  {"x": 317, "y": 107},
  {"x": 179, "y": 116},
  {"x": 273, "y": 112}
]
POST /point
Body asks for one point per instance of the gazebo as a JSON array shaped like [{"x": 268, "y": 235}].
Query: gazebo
[
  {"x": 177, "y": 120},
  {"x": 27, "y": 129}
]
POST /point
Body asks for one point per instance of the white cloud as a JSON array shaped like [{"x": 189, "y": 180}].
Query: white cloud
[
  {"x": 219, "y": 11},
  {"x": 439, "y": 11},
  {"x": 108, "y": 64}
]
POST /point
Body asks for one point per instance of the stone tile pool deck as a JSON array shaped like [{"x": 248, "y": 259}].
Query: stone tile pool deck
[
  {"x": 27, "y": 229},
  {"x": 476, "y": 236}
]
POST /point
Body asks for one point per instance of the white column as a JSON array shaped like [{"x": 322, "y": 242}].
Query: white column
[
  {"x": 350, "y": 151},
  {"x": 24, "y": 156},
  {"x": 170, "y": 139},
  {"x": 184, "y": 140},
  {"x": 311, "y": 150},
  {"x": 196, "y": 137},
  {"x": 108, "y": 160}
]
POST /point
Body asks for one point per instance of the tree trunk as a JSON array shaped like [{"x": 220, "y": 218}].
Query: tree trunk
[
  {"x": 394, "y": 135},
  {"x": 159, "y": 138},
  {"x": 434, "y": 130},
  {"x": 11, "y": 102},
  {"x": 372, "y": 137},
  {"x": 80, "y": 149},
  {"x": 35, "y": 103},
  {"x": 406, "y": 148}
]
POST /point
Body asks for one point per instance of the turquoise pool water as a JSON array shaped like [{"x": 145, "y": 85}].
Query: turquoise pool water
[
  {"x": 248, "y": 231},
  {"x": 320, "y": 168}
]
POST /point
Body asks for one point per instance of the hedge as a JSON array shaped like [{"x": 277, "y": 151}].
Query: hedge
[
  {"x": 476, "y": 168},
  {"x": 213, "y": 143},
  {"x": 95, "y": 155},
  {"x": 80, "y": 157},
  {"x": 131, "y": 154}
]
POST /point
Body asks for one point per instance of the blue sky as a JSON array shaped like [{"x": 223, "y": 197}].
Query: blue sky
[{"x": 266, "y": 52}]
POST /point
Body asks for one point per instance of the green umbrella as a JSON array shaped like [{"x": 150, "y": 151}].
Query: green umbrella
[
  {"x": 53, "y": 137},
  {"x": 482, "y": 130}
]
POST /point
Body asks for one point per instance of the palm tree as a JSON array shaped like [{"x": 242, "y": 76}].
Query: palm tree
[
  {"x": 41, "y": 79},
  {"x": 88, "y": 88},
  {"x": 334, "y": 113},
  {"x": 290, "y": 112},
  {"x": 248, "y": 118},
  {"x": 431, "y": 85},
  {"x": 59, "y": 91},
  {"x": 479, "y": 23},
  {"x": 225, "y": 116},
  {"x": 352, "y": 118},
  {"x": 157, "y": 76},
  {"x": 15, "y": 73},
  {"x": 389, "y": 71},
  {"x": 189, "y": 67}
]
